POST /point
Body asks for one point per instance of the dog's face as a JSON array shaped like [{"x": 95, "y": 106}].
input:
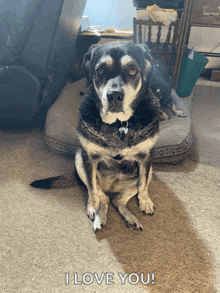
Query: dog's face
[{"x": 118, "y": 71}]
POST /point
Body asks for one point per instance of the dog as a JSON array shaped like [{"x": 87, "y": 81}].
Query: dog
[
  {"x": 162, "y": 87},
  {"x": 118, "y": 129}
]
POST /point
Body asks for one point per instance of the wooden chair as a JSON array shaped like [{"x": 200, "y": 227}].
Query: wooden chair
[{"x": 142, "y": 33}]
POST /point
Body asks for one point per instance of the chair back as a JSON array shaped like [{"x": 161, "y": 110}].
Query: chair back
[{"x": 159, "y": 38}]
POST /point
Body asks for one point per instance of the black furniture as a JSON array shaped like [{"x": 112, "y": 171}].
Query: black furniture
[{"x": 39, "y": 50}]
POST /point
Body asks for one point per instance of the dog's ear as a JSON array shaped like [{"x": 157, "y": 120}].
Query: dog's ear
[
  {"x": 160, "y": 81},
  {"x": 146, "y": 52},
  {"x": 150, "y": 63},
  {"x": 147, "y": 55},
  {"x": 87, "y": 60}
]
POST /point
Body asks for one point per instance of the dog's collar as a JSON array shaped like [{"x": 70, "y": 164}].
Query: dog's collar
[{"x": 123, "y": 130}]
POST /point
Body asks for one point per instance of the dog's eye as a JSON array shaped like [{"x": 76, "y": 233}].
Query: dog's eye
[
  {"x": 132, "y": 71},
  {"x": 100, "y": 70}
]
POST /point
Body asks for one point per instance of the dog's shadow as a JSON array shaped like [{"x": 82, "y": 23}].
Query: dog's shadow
[{"x": 168, "y": 246}]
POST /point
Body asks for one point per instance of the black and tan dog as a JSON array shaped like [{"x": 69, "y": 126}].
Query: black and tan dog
[{"x": 118, "y": 128}]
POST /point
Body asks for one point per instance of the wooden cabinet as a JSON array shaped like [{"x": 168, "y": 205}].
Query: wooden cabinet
[
  {"x": 200, "y": 13},
  {"x": 205, "y": 12}
]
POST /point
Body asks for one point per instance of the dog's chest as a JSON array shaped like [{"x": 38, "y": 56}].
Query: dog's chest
[
  {"x": 112, "y": 167},
  {"x": 108, "y": 148}
]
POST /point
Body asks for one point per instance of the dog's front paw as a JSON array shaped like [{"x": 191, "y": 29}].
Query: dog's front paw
[
  {"x": 91, "y": 213},
  {"x": 98, "y": 223},
  {"x": 101, "y": 217},
  {"x": 98, "y": 214},
  {"x": 146, "y": 206},
  {"x": 92, "y": 208}
]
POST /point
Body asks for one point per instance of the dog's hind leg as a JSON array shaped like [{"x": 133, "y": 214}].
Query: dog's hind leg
[
  {"x": 145, "y": 203},
  {"x": 120, "y": 204}
]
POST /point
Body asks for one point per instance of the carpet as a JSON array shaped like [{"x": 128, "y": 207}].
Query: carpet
[
  {"x": 206, "y": 120},
  {"x": 47, "y": 243}
]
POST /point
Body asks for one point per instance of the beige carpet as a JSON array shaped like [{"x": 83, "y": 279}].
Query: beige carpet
[
  {"x": 46, "y": 234},
  {"x": 206, "y": 119}
]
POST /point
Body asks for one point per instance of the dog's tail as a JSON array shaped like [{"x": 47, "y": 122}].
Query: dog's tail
[{"x": 63, "y": 181}]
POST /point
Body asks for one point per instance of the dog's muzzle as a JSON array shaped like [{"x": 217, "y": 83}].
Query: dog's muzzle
[{"x": 115, "y": 100}]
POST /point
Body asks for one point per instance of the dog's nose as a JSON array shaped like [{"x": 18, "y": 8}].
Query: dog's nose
[{"x": 115, "y": 96}]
